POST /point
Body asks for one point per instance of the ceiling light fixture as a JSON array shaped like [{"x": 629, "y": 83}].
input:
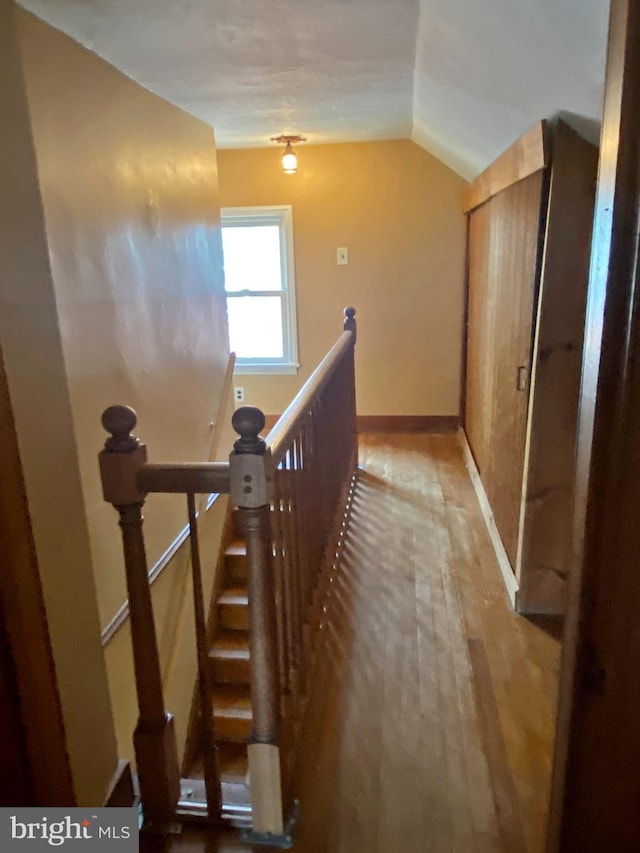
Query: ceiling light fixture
[{"x": 289, "y": 157}]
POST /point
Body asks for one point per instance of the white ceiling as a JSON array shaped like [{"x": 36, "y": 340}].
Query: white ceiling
[{"x": 463, "y": 78}]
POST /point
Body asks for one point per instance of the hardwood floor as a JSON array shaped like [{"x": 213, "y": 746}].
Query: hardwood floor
[{"x": 431, "y": 723}]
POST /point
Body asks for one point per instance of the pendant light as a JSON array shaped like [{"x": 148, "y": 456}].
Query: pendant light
[{"x": 289, "y": 157}]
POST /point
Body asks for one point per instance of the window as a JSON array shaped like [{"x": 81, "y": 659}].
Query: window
[{"x": 258, "y": 269}]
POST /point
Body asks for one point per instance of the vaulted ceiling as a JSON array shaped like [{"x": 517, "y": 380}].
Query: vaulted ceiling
[{"x": 463, "y": 78}]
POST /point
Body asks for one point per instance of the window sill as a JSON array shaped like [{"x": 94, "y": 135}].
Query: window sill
[{"x": 265, "y": 368}]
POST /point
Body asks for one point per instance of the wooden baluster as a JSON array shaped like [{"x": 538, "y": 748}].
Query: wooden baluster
[
  {"x": 154, "y": 737},
  {"x": 277, "y": 537},
  {"x": 294, "y": 551},
  {"x": 287, "y": 569},
  {"x": 300, "y": 550},
  {"x": 209, "y": 750},
  {"x": 292, "y": 557},
  {"x": 251, "y": 485}
]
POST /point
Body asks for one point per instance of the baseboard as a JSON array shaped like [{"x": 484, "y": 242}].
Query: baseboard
[
  {"x": 408, "y": 423},
  {"x": 121, "y": 793},
  {"x": 508, "y": 575}
]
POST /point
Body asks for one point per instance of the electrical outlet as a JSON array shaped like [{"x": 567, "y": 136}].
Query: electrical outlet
[{"x": 238, "y": 394}]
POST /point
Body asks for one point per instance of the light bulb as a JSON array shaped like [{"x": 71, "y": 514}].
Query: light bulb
[{"x": 289, "y": 160}]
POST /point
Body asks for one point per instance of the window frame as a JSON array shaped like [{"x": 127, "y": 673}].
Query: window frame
[{"x": 282, "y": 216}]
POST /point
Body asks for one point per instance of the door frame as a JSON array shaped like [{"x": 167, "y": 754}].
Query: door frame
[
  {"x": 37, "y": 712},
  {"x": 596, "y": 773}
]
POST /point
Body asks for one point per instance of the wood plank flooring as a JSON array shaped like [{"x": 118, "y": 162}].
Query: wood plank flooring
[{"x": 431, "y": 723}]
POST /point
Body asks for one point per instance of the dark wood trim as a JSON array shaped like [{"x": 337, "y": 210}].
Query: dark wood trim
[
  {"x": 121, "y": 792},
  {"x": 527, "y": 155},
  {"x": 25, "y": 624},
  {"x": 596, "y": 781},
  {"x": 408, "y": 423}
]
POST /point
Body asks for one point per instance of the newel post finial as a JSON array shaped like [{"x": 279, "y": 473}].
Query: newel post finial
[
  {"x": 350, "y": 320},
  {"x": 248, "y": 422},
  {"x": 122, "y": 457},
  {"x": 120, "y": 421}
]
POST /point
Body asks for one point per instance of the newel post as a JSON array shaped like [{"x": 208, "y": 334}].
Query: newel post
[
  {"x": 154, "y": 737},
  {"x": 251, "y": 488},
  {"x": 350, "y": 324}
]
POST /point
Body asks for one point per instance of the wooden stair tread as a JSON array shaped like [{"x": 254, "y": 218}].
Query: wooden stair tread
[
  {"x": 232, "y": 700},
  {"x": 230, "y": 644},
  {"x": 236, "y": 548},
  {"x": 234, "y": 595},
  {"x": 232, "y": 762}
]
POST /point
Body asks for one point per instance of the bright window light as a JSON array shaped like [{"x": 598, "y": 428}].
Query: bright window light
[{"x": 258, "y": 264}]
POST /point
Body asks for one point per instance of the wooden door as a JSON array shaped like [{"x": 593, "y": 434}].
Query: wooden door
[
  {"x": 595, "y": 803},
  {"x": 504, "y": 253},
  {"x": 16, "y": 788},
  {"x": 30, "y": 711}
]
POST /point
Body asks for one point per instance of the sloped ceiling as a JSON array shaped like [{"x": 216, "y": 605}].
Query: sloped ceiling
[
  {"x": 487, "y": 70},
  {"x": 463, "y": 78}
]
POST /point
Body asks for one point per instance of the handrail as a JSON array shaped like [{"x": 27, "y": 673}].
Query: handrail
[
  {"x": 279, "y": 437},
  {"x": 290, "y": 493},
  {"x": 183, "y": 477}
]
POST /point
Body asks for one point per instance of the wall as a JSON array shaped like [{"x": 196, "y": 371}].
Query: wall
[
  {"x": 115, "y": 296},
  {"x": 130, "y": 203},
  {"x": 397, "y": 208},
  {"x": 34, "y": 363}
]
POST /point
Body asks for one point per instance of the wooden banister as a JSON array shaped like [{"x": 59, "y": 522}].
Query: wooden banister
[
  {"x": 280, "y": 436},
  {"x": 183, "y": 477},
  {"x": 154, "y": 737},
  {"x": 291, "y": 492}
]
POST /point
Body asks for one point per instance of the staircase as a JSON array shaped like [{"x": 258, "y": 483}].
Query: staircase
[
  {"x": 230, "y": 658},
  {"x": 313, "y": 451}
]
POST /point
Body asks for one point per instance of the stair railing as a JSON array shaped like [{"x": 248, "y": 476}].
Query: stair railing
[{"x": 292, "y": 491}]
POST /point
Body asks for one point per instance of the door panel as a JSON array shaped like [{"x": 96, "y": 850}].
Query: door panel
[{"x": 504, "y": 247}]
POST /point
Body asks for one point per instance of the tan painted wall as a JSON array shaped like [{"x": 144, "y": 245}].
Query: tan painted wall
[
  {"x": 397, "y": 210},
  {"x": 34, "y": 362},
  {"x": 113, "y": 293},
  {"x": 129, "y": 189}
]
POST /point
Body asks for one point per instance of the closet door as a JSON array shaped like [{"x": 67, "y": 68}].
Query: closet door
[{"x": 504, "y": 251}]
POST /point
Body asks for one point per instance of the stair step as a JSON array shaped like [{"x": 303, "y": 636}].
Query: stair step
[
  {"x": 230, "y": 657},
  {"x": 233, "y": 608},
  {"x": 232, "y": 712},
  {"x": 235, "y": 560},
  {"x": 233, "y": 762}
]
